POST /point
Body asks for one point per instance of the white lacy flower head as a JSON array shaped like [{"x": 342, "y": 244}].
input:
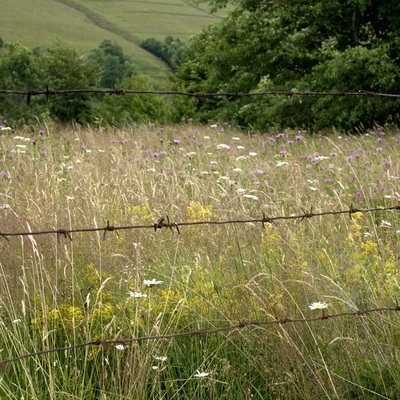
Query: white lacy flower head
[
  {"x": 318, "y": 306},
  {"x": 385, "y": 223},
  {"x": 199, "y": 374},
  {"x": 152, "y": 282},
  {"x": 250, "y": 196},
  {"x": 160, "y": 358},
  {"x": 121, "y": 346},
  {"x": 136, "y": 295}
]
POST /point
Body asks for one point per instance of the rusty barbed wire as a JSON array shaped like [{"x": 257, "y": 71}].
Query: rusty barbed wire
[
  {"x": 164, "y": 222},
  {"x": 201, "y": 332},
  {"x": 198, "y": 96}
]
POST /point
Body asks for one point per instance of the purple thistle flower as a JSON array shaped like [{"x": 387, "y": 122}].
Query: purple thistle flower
[
  {"x": 6, "y": 174},
  {"x": 358, "y": 196},
  {"x": 176, "y": 141},
  {"x": 159, "y": 153}
]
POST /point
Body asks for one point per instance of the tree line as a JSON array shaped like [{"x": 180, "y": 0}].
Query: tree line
[
  {"x": 297, "y": 45},
  {"x": 61, "y": 67},
  {"x": 289, "y": 45}
]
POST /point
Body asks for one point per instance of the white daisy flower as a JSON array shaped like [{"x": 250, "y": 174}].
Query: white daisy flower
[{"x": 318, "y": 306}]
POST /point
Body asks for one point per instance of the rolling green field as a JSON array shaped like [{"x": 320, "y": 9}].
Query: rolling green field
[
  {"x": 85, "y": 24},
  {"x": 58, "y": 291}
]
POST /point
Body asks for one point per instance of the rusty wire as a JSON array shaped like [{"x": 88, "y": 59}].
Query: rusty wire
[
  {"x": 202, "y": 332},
  {"x": 166, "y": 223},
  {"x": 198, "y": 96}
]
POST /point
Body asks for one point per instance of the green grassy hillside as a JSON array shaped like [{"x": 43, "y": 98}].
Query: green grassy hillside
[{"x": 83, "y": 24}]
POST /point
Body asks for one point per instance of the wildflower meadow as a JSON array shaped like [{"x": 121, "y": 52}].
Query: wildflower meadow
[{"x": 72, "y": 291}]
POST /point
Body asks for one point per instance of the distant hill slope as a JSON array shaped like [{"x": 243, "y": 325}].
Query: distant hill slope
[{"x": 84, "y": 24}]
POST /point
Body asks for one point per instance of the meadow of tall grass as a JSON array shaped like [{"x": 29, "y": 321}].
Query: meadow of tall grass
[{"x": 57, "y": 292}]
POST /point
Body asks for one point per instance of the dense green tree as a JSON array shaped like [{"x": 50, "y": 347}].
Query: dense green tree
[
  {"x": 293, "y": 45},
  {"x": 170, "y": 51},
  {"x": 57, "y": 67},
  {"x": 132, "y": 108},
  {"x": 115, "y": 65},
  {"x": 60, "y": 67},
  {"x": 64, "y": 68},
  {"x": 21, "y": 70}
]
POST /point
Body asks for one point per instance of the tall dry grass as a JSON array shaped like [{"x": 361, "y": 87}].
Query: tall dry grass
[{"x": 56, "y": 292}]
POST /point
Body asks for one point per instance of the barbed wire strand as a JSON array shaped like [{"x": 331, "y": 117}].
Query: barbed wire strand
[
  {"x": 165, "y": 223},
  {"x": 202, "y": 332},
  {"x": 231, "y": 95}
]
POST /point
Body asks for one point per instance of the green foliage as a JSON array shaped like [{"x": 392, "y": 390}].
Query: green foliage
[
  {"x": 356, "y": 67},
  {"x": 59, "y": 67},
  {"x": 20, "y": 69},
  {"x": 171, "y": 51},
  {"x": 296, "y": 45},
  {"x": 114, "y": 63},
  {"x": 125, "y": 109},
  {"x": 65, "y": 69}
]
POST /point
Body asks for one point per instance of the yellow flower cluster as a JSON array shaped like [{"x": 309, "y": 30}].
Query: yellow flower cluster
[
  {"x": 196, "y": 212},
  {"x": 141, "y": 213}
]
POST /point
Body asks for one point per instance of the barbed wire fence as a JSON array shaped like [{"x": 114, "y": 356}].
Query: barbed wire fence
[
  {"x": 198, "y": 96},
  {"x": 164, "y": 222},
  {"x": 201, "y": 332}
]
